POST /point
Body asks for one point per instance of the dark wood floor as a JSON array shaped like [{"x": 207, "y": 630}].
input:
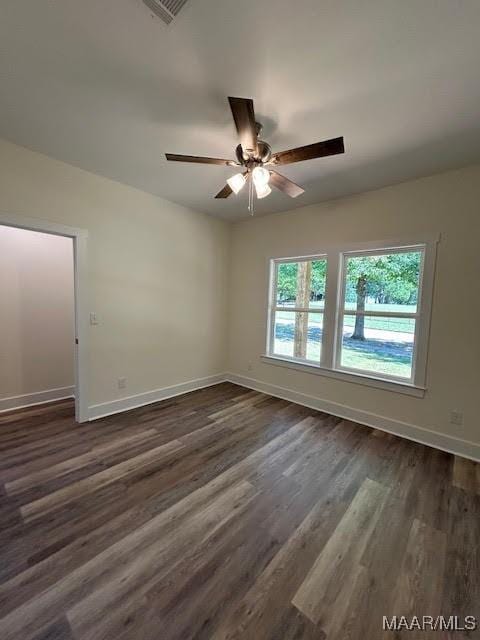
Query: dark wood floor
[{"x": 226, "y": 513}]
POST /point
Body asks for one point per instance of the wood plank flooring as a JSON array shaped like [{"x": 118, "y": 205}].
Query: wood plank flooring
[{"x": 228, "y": 514}]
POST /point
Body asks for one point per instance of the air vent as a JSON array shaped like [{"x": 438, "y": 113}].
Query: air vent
[{"x": 165, "y": 9}]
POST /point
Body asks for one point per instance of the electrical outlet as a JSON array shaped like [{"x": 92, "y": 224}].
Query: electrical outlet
[
  {"x": 250, "y": 366},
  {"x": 93, "y": 318},
  {"x": 456, "y": 417},
  {"x": 122, "y": 383}
]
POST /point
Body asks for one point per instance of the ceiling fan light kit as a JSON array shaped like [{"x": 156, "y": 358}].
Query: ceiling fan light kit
[
  {"x": 262, "y": 190},
  {"x": 260, "y": 176},
  {"x": 256, "y": 157},
  {"x": 236, "y": 182}
]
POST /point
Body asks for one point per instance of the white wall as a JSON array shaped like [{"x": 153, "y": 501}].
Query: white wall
[
  {"x": 36, "y": 313},
  {"x": 448, "y": 203},
  {"x": 157, "y": 273}
]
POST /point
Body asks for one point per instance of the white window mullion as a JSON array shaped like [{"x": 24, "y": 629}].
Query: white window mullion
[
  {"x": 381, "y": 314},
  {"x": 339, "y": 317},
  {"x": 298, "y": 309},
  {"x": 272, "y": 301},
  {"x": 330, "y": 310}
]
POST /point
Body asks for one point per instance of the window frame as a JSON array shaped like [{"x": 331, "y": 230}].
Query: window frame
[
  {"x": 342, "y": 312},
  {"x": 333, "y": 313},
  {"x": 273, "y": 307}
]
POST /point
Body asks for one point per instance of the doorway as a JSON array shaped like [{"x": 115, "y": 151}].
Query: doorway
[{"x": 80, "y": 351}]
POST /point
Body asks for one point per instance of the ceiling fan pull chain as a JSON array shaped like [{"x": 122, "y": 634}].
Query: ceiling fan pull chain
[{"x": 251, "y": 201}]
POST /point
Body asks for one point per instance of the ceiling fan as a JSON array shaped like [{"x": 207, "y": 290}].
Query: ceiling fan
[{"x": 257, "y": 160}]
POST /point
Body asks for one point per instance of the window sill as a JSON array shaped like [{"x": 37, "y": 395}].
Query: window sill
[{"x": 356, "y": 378}]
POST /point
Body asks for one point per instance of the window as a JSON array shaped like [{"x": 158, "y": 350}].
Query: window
[
  {"x": 361, "y": 312},
  {"x": 379, "y": 312},
  {"x": 298, "y": 313}
]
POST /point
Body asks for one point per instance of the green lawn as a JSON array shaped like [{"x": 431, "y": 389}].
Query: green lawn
[
  {"x": 377, "y": 359},
  {"x": 387, "y": 350}
]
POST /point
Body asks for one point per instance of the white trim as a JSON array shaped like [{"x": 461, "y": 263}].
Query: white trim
[
  {"x": 44, "y": 226},
  {"x": 422, "y": 435},
  {"x": 272, "y": 296},
  {"x": 381, "y": 314},
  {"x": 38, "y": 397},
  {"x": 300, "y": 309},
  {"x": 81, "y": 327},
  {"x": 424, "y": 308},
  {"x": 329, "y": 333},
  {"x": 303, "y": 258},
  {"x": 149, "y": 397},
  {"x": 79, "y": 237},
  {"x": 387, "y": 384}
]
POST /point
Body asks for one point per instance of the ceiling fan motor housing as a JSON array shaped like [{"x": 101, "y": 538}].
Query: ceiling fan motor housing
[{"x": 263, "y": 154}]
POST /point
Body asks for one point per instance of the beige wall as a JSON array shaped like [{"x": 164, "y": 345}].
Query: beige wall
[
  {"x": 36, "y": 312},
  {"x": 157, "y": 273},
  {"x": 448, "y": 203},
  {"x": 158, "y": 282}
]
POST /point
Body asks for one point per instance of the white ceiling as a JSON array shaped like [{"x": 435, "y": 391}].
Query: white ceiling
[{"x": 107, "y": 87}]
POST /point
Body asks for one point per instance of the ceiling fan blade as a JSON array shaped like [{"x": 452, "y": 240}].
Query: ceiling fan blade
[
  {"x": 311, "y": 151},
  {"x": 285, "y": 185},
  {"x": 244, "y": 117},
  {"x": 225, "y": 192},
  {"x": 174, "y": 157}
]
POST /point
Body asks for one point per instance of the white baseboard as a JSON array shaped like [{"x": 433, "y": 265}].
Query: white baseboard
[
  {"x": 149, "y": 397},
  {"x": 39, "y": 397},
  {"x": 457, "y": 446}
]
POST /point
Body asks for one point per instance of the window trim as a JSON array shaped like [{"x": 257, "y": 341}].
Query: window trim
[
  {"x": 342, "y": 312},
  {"x": 355, "y": 378},
  {"x": 333, "y": 312},
  {"x": 272, "y": 299}
]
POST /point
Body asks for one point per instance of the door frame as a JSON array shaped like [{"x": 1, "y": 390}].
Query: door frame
[{"x": 79, "y": 237}]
